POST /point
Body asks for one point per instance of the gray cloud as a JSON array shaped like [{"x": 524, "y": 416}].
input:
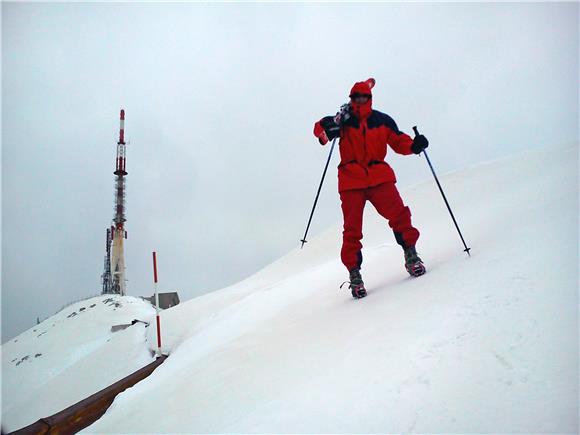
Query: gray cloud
[{"x": 220, "y": 101}]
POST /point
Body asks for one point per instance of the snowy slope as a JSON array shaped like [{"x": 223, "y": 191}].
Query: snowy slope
[
  {"x": 70, "y": 356},
  {"x": 481, "y": 344}
]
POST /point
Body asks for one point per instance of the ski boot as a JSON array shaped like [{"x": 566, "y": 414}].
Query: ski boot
[
  {"x": 413, "y": 263},
  {"x": 357, "y": 286}
]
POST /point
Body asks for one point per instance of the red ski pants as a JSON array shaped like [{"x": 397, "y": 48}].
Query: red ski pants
[{"x": 388, "y": 203}]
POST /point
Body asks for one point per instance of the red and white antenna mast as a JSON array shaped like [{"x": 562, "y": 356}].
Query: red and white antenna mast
[{"x": 118, "y": 228}]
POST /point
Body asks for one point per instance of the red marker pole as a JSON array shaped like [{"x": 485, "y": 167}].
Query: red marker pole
[{"x": 156, "y": 303}]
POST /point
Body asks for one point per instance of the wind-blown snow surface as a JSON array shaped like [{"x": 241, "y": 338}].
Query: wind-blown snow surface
[
  {"x": 70, "y": 356},
  {"x": 481, "y": 344}
]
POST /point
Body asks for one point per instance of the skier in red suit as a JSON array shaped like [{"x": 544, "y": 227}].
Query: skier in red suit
[{"x": 363, "y": 175}]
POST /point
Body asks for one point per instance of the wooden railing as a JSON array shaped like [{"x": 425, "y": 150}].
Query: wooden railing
[{"x": 84, "y": 413}]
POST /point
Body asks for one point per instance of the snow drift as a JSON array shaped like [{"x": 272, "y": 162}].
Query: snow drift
[{"x": 481, "y": 344}]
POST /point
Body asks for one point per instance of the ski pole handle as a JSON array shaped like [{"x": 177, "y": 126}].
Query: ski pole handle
[{"x": 415, "y": 130}]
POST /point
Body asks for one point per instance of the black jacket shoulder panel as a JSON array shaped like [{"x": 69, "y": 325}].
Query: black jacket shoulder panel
[
  {"x": 377, "y": 119},
  {"x": 351, "y": 122}
]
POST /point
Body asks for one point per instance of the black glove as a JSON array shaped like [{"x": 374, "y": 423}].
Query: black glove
[
  {"x": 330, "y": 126},
  {"x": 419, "y": 144}
]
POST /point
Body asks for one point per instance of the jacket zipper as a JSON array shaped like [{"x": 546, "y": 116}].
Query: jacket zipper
[{"x": 365, "y": 146}]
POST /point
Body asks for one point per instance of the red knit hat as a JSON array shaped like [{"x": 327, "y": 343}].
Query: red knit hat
[{"x": 363, "y": 88}]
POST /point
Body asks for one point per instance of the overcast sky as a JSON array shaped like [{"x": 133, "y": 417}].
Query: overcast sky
[{"x": 220, "y": 101}]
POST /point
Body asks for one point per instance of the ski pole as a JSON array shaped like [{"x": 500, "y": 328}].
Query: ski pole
[
  {"x": 303, "y": 240},
  {"x": 443, "y": 194}
]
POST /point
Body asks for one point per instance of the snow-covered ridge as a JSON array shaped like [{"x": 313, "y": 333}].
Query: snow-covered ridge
[{"x": 481, "y": 344}]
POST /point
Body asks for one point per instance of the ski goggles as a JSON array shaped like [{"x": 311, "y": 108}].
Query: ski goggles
[{"x": 360, "y": 98}]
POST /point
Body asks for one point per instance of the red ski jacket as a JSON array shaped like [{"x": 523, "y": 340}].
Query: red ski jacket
[{"x": 363, "y": 147}]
